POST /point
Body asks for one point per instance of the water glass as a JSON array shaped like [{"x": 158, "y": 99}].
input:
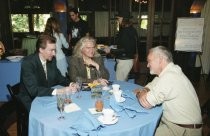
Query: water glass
[
  {"x": 68, "y": 97},
  {"x": 60, "y": 104},
  {"x": 79, "y": 87}
]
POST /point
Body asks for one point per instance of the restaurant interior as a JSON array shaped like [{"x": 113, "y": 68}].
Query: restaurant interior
[{"x": 22, "y": 21}]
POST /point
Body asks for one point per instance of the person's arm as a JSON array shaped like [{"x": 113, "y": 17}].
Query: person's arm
[
  {"x": 102, "y": 69},
  {"x": 63, "y": 41},
  {"x": 142, "y": 97},
  {"x": 31, "y": 78}
]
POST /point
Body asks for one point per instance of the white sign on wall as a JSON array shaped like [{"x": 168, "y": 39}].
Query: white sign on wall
[{"x": 189, "y": 34}]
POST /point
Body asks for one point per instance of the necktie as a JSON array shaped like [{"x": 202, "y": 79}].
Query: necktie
[{"x": 45, "y": 69}]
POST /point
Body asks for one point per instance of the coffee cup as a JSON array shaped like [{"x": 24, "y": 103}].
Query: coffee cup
[
  {"x": 108, "y": 115},
  {"x": 115, "y": 87},
  {"x": 117, "y": 95}
]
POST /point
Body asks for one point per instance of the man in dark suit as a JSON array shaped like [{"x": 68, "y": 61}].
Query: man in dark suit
[{"x": 39, "y": 72}]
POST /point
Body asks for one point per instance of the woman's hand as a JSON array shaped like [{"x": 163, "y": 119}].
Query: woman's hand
[
  {"x": 91, "y": 62},
  {"x": 101, "y": 81}
]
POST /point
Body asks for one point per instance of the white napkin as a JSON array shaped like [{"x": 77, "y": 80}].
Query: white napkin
[{"x": 71, "y": 108}]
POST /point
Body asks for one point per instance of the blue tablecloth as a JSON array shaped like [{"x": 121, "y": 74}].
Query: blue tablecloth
[
  {"x": 9, "y": 74},
  {"x": 43, "y": 117}
]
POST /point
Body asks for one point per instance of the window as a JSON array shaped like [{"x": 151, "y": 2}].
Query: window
[
  {"x": 84, "y": 17},
  {"x": 40, "y": 21},
  {"x": 20, "y": 22},
  {"x": 144, "y": 22}
]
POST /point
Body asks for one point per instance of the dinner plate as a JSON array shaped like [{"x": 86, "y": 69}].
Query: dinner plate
[
  {"x": 14, "y": 58},
  {"x": 113, "y": 121}
]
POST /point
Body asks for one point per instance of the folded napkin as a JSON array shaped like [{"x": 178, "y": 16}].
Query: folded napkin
[
  {"x": 131, "y": 108},
  {"x": 118, "y": 107},
  {"x": 71, "y": 108},
  {"x": 86, "y": 125},
  {"x": 128, "y": 94}
]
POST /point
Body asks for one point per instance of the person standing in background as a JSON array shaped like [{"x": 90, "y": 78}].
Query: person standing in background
[
  {"x": 77, "y": 28},
  {"x": 126, "y": 49},
  {"x": 53, "y": 28}
]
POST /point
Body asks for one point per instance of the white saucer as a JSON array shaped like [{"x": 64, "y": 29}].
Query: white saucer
[
  {"x": 122, "y": 99},
  {"x": 105, "y": 88},
  {"x": 113, "y": 121}
]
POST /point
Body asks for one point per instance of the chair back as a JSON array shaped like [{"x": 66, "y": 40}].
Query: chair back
[{"x": 22, "y": 112}]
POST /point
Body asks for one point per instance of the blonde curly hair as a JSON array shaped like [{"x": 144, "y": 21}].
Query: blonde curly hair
[{"x": 81, "y": 44}]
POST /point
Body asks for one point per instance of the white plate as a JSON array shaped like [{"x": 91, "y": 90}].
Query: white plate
[
  {"x": 113, "y": 121},
  {"x": 14, "y": 58}
]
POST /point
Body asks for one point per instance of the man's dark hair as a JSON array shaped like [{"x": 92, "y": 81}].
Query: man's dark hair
[
  {"x": 75, "y": 10},
  {"x": 43, "y": 40}
]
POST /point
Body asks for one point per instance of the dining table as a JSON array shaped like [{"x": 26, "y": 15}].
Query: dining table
[
  {"x": 9, "y": 74},
  {"x": 82, "y": 119}
]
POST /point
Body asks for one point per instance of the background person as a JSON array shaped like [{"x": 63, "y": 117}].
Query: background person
[
  {"x": 39, "y": 72},
  {"x": 53, "y": 28},
  {"x": 127, "y": 42},
  {"x": 77, "y": 28},
  {"x": 171, "y": 88},
  {"x": 87, "y": 63}
]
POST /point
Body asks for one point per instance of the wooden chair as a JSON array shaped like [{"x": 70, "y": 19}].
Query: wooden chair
[{"x": 21, "y": 111}]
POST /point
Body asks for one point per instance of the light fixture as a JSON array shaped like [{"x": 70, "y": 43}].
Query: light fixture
[
  {"x": 141, "y": 1},
  {"x": 60, "y": 6},
  {"x": 197, "y": 6},
  {"x": 31, "y": 4}
]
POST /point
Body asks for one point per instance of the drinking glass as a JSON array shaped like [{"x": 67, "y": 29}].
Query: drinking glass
[
  {"x": 99, "y": 104},
  {"x": 79, "y": 86},
  {"x": 68, "y": 97},
  {"x": 60, "y": 104}
]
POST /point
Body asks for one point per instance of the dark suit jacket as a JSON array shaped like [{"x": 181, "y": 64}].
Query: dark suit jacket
[
  {"x": 77, "y": 68},
  {"x": 33, "y": 81}
]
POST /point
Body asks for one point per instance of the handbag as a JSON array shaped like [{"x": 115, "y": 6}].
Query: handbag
[{"x": 136, "y": 63}]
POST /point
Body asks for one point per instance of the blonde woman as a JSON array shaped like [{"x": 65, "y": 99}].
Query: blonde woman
[{"x": 87, "y": 63}]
